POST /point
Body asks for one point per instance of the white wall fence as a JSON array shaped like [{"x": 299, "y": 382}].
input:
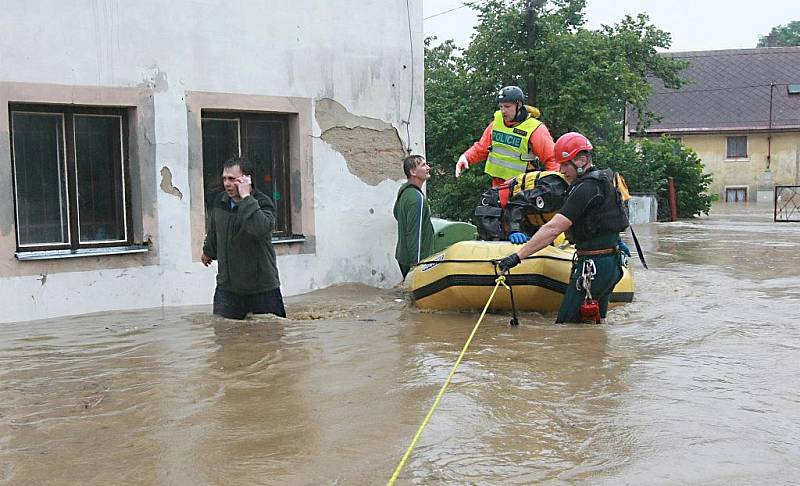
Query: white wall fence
[{"x": 643, "y": 208}]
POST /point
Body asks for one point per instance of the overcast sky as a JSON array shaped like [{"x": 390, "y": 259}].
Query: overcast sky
[{"x": 695, "y": 25}]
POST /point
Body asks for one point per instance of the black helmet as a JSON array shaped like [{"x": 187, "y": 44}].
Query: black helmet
[{"x": 511, "y": 94}]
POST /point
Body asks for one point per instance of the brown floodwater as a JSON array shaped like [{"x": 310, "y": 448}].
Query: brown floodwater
[{"x": 695, "y": 382}]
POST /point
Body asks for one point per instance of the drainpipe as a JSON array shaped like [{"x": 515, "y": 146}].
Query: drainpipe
[
  {"x": 769, "y": 130},
  {"x": 797, "y": 165}
]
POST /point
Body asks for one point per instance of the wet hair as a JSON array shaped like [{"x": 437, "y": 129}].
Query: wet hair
[
  {"x": 243, "y": 163},
  {"x": 410, "y": 162}
]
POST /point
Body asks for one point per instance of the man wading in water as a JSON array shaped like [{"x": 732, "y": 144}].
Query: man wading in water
[
  {"x": 239, "y": 236},
  {"x": 592, "y": 218}
]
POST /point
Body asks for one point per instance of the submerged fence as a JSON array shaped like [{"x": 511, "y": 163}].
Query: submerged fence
[{"x": 787, "y": 204}]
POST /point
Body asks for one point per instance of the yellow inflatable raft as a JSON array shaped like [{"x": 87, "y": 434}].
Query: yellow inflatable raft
[{"x": 463, "y": 276}]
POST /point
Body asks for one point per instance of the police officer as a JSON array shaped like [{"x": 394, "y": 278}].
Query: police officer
[
  {"x": 592, "y": 218},
  {"x": 513, "y": 138}
]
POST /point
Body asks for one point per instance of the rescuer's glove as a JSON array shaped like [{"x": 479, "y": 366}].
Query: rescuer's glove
[
  {"x": 462, "y": 164},
  {"x": 518, "y": 238},
  {"x": 508, "y": 262},
  {"x": 624, "y": 248}
]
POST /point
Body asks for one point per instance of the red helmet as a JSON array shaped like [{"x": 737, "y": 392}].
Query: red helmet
[{"x": 569, "y": 145}]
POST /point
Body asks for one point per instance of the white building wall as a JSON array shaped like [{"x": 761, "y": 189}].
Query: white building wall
[{"x": 364, "y": 55}]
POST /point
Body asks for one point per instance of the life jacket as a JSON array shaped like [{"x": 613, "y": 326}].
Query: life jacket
[
  {"x": 520, "y": 204},
  {"x": 608, "y": 218},
  {"x": 510, "y": 153},
  {"x": 536, "y": 197}
]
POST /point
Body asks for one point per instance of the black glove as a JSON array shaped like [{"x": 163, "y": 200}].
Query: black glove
[{"x": 508, "y": 263}]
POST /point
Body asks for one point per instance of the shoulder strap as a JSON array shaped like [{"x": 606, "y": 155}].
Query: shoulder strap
[{"x": 409, "y": 187}]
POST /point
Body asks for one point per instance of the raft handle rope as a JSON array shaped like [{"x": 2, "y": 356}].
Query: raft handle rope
[
  {"x": 514, "y": 322},
  {"x": 493, "y": 262},
  {"x": 500, "y": 281}
]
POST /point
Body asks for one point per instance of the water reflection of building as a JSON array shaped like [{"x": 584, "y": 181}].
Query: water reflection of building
[
  {"x": 111, "y": 141},
  {"x": 255, "y": 425}
]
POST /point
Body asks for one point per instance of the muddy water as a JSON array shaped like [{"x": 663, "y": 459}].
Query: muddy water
[{"x": 696, "y": 382}]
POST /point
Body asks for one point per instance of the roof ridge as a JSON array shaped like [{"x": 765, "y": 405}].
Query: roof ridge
[{"x": 730, "y": 52}]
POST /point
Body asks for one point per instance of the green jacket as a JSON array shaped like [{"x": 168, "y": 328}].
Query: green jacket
[
  {"x": 240, "y": 239},
  {"x": 414, "y": 228}
]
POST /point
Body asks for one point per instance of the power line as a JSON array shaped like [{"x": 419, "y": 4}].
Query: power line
[{"x": 446, "y": 11}]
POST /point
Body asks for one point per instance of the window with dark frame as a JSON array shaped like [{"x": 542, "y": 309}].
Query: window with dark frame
[
  {"x": 737, "y": 147},
  {"x": 262, "y": 138},
  {"x": 70, "y": 170}
]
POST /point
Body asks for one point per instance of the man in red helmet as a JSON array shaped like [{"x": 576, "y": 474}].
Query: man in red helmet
[
  {"x": 592, "y": 218},
  {"x": 514, "y": 139}
]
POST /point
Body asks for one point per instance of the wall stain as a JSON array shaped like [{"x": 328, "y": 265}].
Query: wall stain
[
  {"x": 42, "y": 278},
  {"x": 372, "y": 148},
  {"x": 166, "y": 183}
]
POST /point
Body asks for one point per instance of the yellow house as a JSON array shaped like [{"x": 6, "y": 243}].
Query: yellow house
[{"x": 740, "y": 111}]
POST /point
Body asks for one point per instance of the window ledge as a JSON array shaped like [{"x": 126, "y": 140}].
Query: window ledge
[
  {"x": 738, "y": 159},
  {"x": 82, "y": 252},
  {"x": 282, "y": 240}
]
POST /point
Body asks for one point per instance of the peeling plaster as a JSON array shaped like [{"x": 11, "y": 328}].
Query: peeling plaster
[
  {"x": 372, "y": 148},
  {"x": 166, "y": 183},
  {"x": 154, "y": 78}
]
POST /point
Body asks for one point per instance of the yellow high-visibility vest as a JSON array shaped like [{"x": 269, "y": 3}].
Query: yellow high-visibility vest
[{"x": 509, "y": 145}]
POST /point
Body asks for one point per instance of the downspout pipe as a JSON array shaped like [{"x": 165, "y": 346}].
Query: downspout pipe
[{"x": 769, "y": 130}]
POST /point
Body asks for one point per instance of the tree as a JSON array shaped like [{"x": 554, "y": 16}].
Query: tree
[
  {"x": 781, "y": 36},
  {"x": 452, "y": 123},
  {"x": 648, "y": 164},
  {"x": 583, "y": 80}
]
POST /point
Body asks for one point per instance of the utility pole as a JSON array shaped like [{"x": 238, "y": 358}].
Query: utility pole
[{"x": 532, "y": 7}]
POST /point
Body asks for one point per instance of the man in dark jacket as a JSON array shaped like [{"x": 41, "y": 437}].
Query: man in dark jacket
[
  {"x": 592, "y": 218},
  {"x": 413, "y": 215},
  {"x": 239, "y": 237}
]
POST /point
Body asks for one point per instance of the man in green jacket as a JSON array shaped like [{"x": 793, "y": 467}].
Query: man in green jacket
[
  {"x": 239, "y": 237},
  {"x": 413, "y": 215}
]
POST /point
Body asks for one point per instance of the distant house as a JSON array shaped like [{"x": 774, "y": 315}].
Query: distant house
[
  {"x": 740, "y": 111},
  {"x": 115, "y": 118}
]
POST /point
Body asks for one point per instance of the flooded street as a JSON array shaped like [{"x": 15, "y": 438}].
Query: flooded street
[{"x": 695, "y": 382}]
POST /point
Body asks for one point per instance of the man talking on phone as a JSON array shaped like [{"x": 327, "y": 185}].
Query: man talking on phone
[{"x": 239, "y": 237}]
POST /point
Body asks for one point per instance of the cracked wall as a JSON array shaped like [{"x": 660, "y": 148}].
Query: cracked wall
[{"x": 371, "y": 147}]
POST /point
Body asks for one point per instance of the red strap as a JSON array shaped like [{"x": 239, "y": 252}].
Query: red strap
[{"x": 504, "y": 192}]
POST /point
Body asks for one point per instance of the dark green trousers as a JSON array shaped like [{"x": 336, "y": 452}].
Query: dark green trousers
[{"x": 609, "y": 272}]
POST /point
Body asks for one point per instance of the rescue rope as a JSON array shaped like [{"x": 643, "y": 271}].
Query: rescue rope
[{"x": 500, "y": 281}]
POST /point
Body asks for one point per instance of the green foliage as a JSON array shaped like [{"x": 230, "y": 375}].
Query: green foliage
[
  {"x": 456, "y": 199},
  {"x": 781, "y": 36},
  {"x": 685, "y": 167},
  {"x": 648, "y": 164},
  {"x": 581, "y": 80},
  {"x": 626, "y": 158}
]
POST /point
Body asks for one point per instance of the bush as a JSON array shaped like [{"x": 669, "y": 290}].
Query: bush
[{"x": 648, "y": 164}]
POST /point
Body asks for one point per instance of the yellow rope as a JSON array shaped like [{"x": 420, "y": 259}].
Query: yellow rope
[{"x": 500, "y": 280}]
